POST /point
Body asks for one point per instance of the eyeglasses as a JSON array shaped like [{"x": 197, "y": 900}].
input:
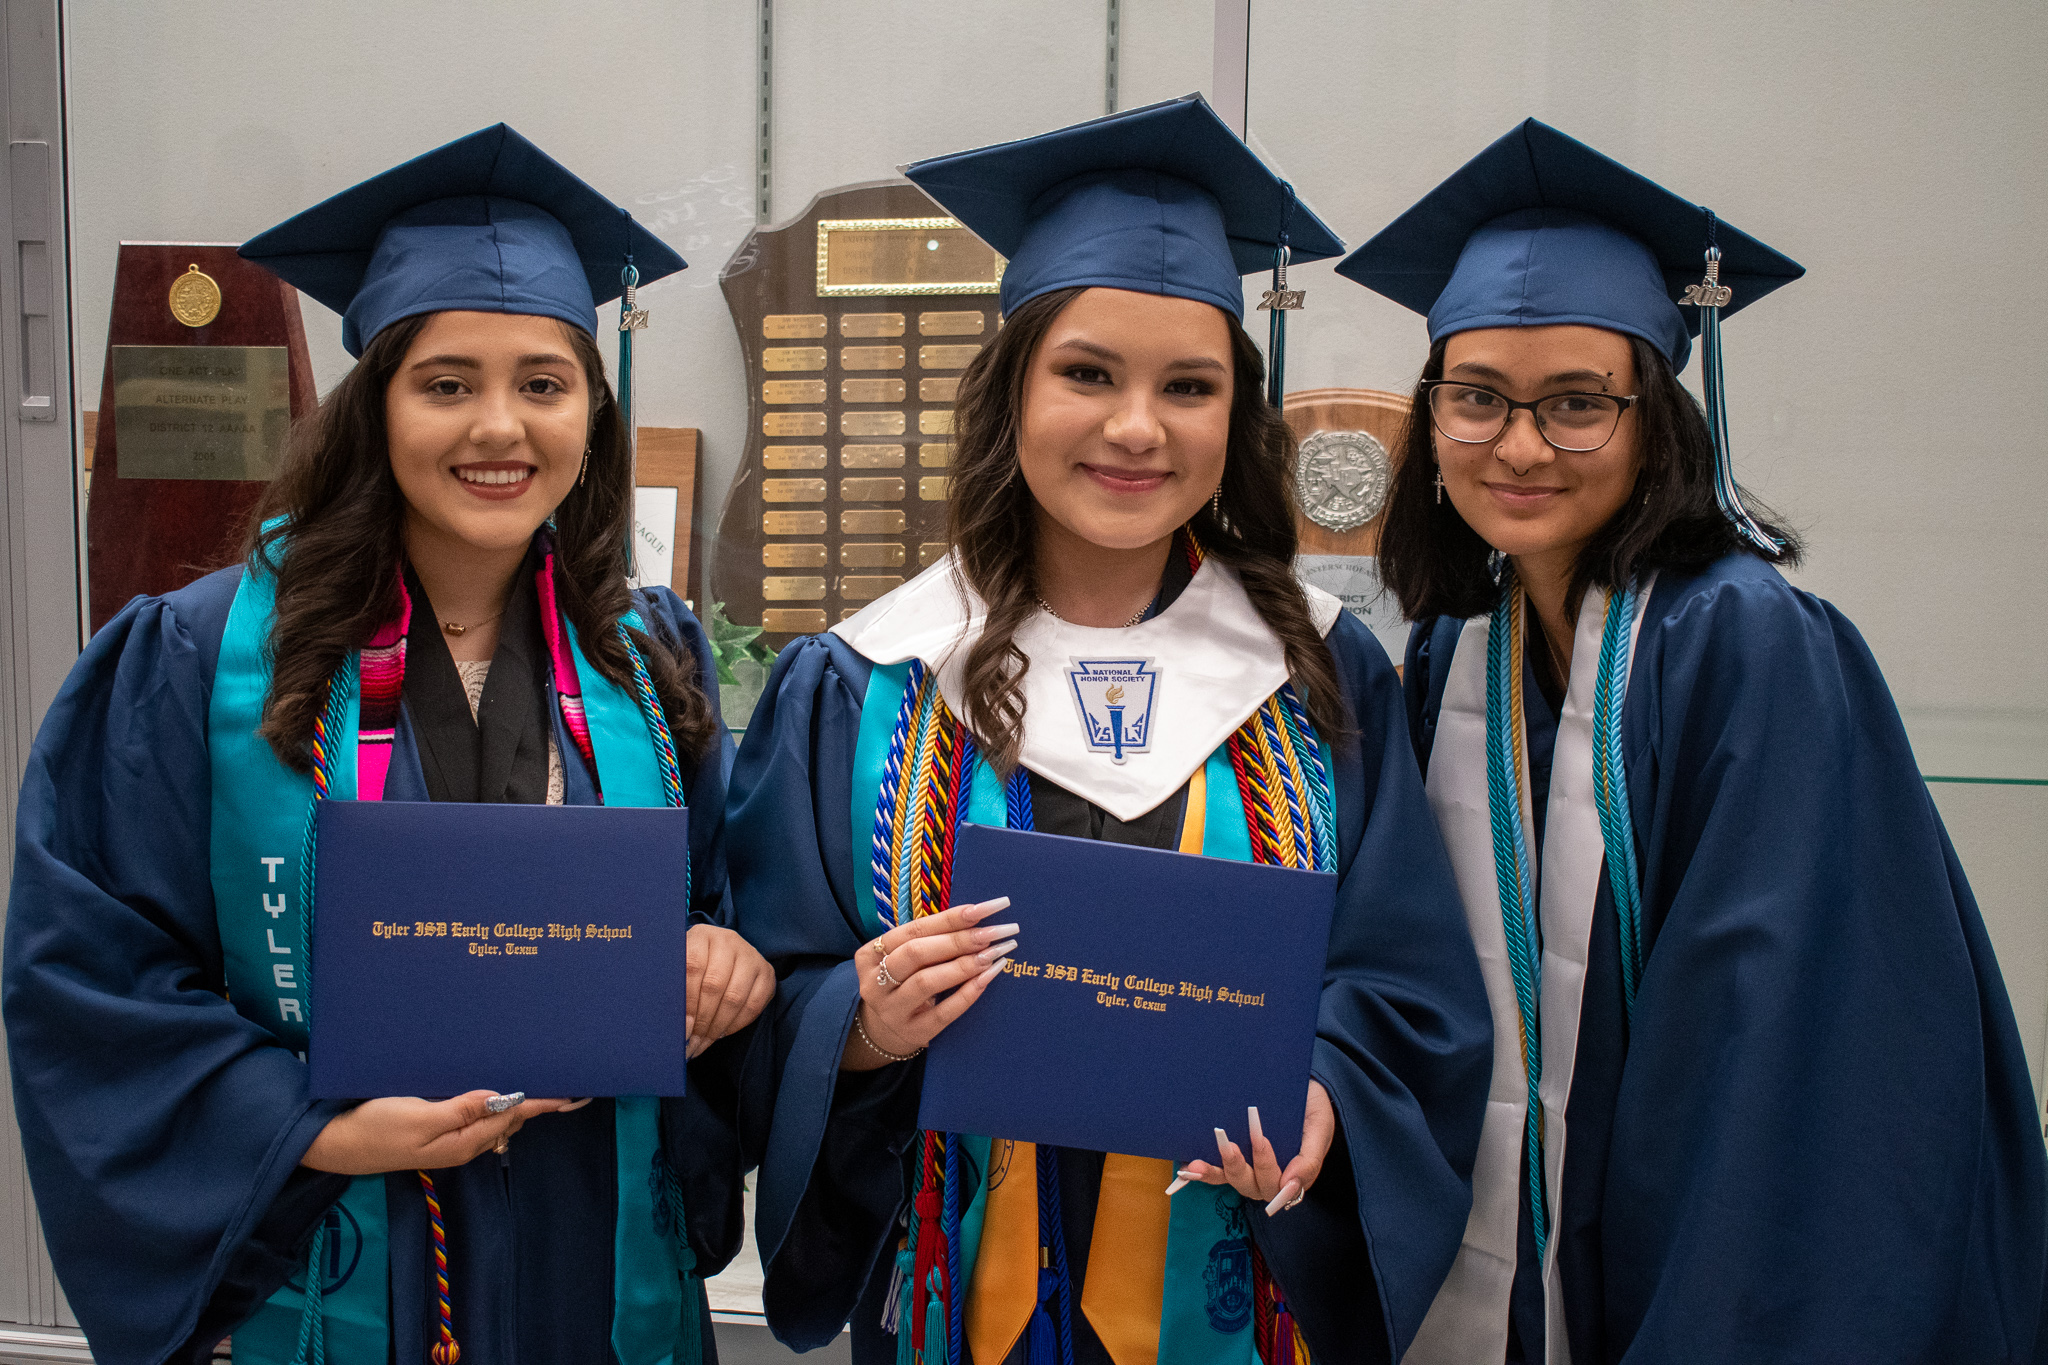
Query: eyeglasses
[{"x": 1471, "y": 415}]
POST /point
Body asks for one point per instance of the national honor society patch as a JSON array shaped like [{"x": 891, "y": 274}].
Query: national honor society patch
[{"x": 1115, "y": 697}]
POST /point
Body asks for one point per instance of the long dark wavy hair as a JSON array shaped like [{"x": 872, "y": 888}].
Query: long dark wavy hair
[
  {"x": 994, "y": 528},
  {"x": 1435, "y": 564},
  {"x": 337, "y": 549}
]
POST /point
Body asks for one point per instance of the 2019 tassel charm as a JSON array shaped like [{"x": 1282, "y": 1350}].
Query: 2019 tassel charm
[{"x": 1280, "y": 301}]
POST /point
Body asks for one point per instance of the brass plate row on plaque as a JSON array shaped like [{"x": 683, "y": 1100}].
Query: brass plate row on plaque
[
  {"x": 805, "y": 326},
  {"x": 931, "y": 422},
  {"x": 931, "y": 488},
  {"x": 867, "y": 554},
  {"x": 852, "y": 587}
]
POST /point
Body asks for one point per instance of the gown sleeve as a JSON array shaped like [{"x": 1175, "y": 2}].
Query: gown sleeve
[
  {"x": 1403, "y": 1046},
  {"x": 1824, "y": 1145},
  {"x": 163, "y": 1131},
  {"x": 701, "y": 1128},
  {"x": 830, "y": 1145}
]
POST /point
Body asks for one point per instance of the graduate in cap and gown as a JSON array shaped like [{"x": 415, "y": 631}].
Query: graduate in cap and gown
[
  {"x": 1122, "y": 486},
  {"x": 434, "y": 607},
  {"x": 1757, "y": 1091}
]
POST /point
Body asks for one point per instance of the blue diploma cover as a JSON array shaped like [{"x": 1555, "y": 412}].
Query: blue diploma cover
[
  {"x": 511, "y": 947},
  {"x": 1152, "y": 997}
]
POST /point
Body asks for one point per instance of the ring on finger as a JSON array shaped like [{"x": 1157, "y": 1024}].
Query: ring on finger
[
  {"x": 504, "y": 1144},
  {"x": 882, "y": 976}
]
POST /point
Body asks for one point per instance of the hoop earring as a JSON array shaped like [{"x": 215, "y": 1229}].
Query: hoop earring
[{"x": 1439, "y": 486}]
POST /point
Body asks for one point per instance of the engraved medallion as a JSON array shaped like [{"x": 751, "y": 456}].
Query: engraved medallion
[
  {"x": 195, "y": 298},
  {"x": 1344, "y": 477}
]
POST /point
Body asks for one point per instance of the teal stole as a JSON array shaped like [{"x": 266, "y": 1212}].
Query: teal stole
[
  {"x": 1207, "y": 1312},
  {"x": 262, "y": 879}
]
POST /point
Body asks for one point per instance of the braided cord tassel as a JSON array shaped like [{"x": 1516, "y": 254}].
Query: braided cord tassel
[
  {"x": 690, "y": 1328},
  {"x": 955, "y": 1307},
  {"x": 1308, "y": 748},
  {"x": 917, "y": 778},
  {"x": 886, "y": 809},
  {"x": 1511, "y": 867},
  {"x": 1274, "y": 739},
  {"x": 312, "y": 1325},
  {"x": 1610, "y": 790},
  {"x": 445, "y": 1351}
]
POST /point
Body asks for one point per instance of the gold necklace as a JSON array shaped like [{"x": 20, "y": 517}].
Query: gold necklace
[
  {"x": 451, "y": 628},
  {"x": 1564, "y": 677},
  {"x": 1047, "y": 608}
]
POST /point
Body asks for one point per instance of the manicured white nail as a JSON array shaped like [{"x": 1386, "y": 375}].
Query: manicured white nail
[
  {"x": 992, "y": 932},
  {"x": 1252, "y": 1117},
  {"x": 1001, "y": 950},
  {"x": 1180, "y": 1183},
  {"x": 498, "y": 1104},
  {"x": 1223, "y": 1142},
  {"x": 990, "y": 972},
  {"x": 1281, "y": 1201},
  {"x": 999, "y": 903}
]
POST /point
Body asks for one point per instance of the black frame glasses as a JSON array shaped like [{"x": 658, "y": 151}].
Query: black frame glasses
[{"x": 1535, "y": 410}]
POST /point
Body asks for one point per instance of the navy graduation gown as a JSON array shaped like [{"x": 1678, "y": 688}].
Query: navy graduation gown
[
  {"x": 1403, "y": 1040},
  {"x": 163, "y": 1130},
  {"x": 1817, "y": 1141}
]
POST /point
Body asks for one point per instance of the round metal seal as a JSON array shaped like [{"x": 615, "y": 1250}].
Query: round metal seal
[
  {"x": 195, "y": 298},
  {"x": 1344, "y": 477}
]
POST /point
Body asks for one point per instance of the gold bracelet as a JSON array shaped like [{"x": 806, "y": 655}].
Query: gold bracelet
[{"x": 875, "y": 1047}]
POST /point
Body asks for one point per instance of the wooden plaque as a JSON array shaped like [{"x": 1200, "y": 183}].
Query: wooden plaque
[
  {"x": 1348, "y": 475},
  {"x": 209, "y": 353},
  {"x": 665, "y": 467},
  {"x": 856, "y": 320}
]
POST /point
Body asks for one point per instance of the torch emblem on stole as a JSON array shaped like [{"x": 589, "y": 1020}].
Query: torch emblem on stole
[{"x": 1115, "y": 698}]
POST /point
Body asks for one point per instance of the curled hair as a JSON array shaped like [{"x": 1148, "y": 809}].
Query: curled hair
[
  {"x": 994, "y": 528},
  {"x": 1435, "y": 564},
  {"x": 337, "y": 550}
]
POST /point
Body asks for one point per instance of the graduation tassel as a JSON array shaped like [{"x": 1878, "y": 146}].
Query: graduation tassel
[
  {"x": 689, "y": 1347},
  {"x": 1710, "y": 296},
  {"x": 312, "y": 1321},
  {"x": 1280, "y": 301},
  {"x": 632, "y": 318}
]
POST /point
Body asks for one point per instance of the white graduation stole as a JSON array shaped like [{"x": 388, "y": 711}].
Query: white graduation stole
[{"x": 1468, "y": 1321}]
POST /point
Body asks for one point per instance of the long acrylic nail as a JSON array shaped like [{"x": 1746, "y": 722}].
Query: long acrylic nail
[
  {"x": 1282, "y": 1200},
  {"x": 989, "y": 933},
  {"x": 1181, "y": 1181},
  {"x": 1001, "y": 950},
  {"x": 1223, "y": 1143},
  {"x": 498, "y": 1104},
  {"x": 1252, "y": 1117},
  {"x": 975, "y": 914},
  {"x": 990, "y": 972}
]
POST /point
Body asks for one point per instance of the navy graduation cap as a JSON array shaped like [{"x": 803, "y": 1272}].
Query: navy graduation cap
[
  {"x": 1160, "y": 200},
  {"x": 488, "y": 223},
  {"x": 1540, "y": 229}
]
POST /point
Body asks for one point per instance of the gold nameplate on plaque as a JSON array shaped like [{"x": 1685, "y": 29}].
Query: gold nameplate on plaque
[
  {"x": 793, "y": 621},
  {"x": 793, "y": 424},
  {"x": 935, "y": 454},
  {"x": 936, "y": 422},
  {"x": 938, "y": 390},
  {"x": 792, "y": 326},
  {"x": 871, "y": 324},
  {"x": 871, "y": 490},
  {"x": 792, "y": 457},
  {"x": 792, "y": 523},
  {"x": 872, "y": 391},
  {"x": 201, "y": 412},
  {"x": 935, "y": 487},
  {"x": 950, "y": 324},
  {"x": 872, "y": 256},
  {"x": 793, "y": 589},
  {"x": 930, "y": 552},
  {"x": 792, "y": 490},
  {"x": 871, "y": 457},
  {"x": 871, "y": 523},
  {"x": 793, "y": 357},
  {"x": 793, "y": 556},
  {"x": 871, "y": 357},
  {"x": 867, "y": 587},
  {"x": 792, "y": 391},
  {"x": 946, "y": 357},
  {"x": 194, "y": 300},
  {"x": 880, "y": 555},
  {"x": 871, "y": 424}
]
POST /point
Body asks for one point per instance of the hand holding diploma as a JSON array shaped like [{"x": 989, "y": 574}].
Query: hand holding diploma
[
  {"x": 1261, "y": 1178},
  {"x": 904, "y": 973},
  {"x": 426, "y": 1135}
]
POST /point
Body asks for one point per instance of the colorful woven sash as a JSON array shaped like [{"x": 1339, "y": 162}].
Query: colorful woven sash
[
  {"x": 985, "y": 1260},
  {"x": 263, "y": 854}
]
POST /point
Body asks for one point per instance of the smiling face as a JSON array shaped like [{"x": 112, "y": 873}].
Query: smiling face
[
  {"x": 1126, "y": 417},
  {"x": 1521, "y": 494},
  {"x": 488, "y": 417}
]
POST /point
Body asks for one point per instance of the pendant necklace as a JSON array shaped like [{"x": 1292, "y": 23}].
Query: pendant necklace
[{"x": 451, "y": 628}]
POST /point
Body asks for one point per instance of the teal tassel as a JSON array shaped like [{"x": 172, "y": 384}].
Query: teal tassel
[
  {"x": 690, "y": 1330},
  {"x": 935, "y": 1318}
]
